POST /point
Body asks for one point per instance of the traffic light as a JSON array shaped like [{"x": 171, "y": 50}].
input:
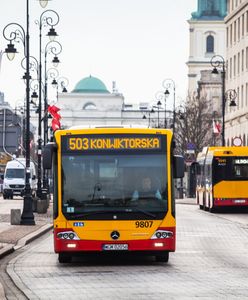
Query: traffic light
[{"x": 53, "y": 110}]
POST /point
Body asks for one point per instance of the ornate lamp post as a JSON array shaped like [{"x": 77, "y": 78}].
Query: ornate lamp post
[
  {"x": 61, "y": 82},
  {"x": 14, "y": 32},
  {"x": 158, "y": 106},
  {"x": 170, "y": 84},
  {"x": 160, "y": 96},
  {"x": 149, "y": 112},
  {"x": 47, "y": 18},
  {"x": 55, "y": 48},
  {"x": 217, "y": 61}
]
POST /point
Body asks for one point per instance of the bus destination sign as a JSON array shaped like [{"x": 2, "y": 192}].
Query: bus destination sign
[{"x": 91, "y": 143}]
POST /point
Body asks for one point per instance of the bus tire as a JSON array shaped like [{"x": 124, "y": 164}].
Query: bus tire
[
  {"x": 163, "y": 257},
  {"x": 64, "y": 258},
  {"x": 212, "y": 209}
]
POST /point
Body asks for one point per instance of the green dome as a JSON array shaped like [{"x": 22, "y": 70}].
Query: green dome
[{"x": 90, "y": 85}]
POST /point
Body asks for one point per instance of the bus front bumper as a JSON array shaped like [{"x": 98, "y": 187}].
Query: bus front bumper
[
  {"x": 230, "y": 202},
  {"x": 149, "y": 245}
]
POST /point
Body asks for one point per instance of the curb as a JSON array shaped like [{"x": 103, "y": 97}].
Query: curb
[
  {"x": 32, "y": 236},
  {"x": 25, "y": 240},
  {"x": 10, "y": 248}
]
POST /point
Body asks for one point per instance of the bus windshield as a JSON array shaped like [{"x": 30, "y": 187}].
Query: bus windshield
[
  {"x": 14, "y": 173},
  {"x": 230, "y": 168},
  {"x": 94, "y": 185}
]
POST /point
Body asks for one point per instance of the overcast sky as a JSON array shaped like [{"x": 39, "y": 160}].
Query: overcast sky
[{"x": 137, "y": 43}]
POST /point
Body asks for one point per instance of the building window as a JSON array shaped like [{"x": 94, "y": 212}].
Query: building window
[
  {"x": 227, "y": 36},
  {"x": 242, "y": 60},
  {"x": 210, "y": 44},
  {"x": 234, "y": 66},
  {"x": 247, "y": 22},
  {"x": 230, "y": 69},
  {"x": 235, "y": 31},
  {"x": 243, "y": 25},
  {"x": 242, "y": 96},
  {"x": 246, "y": 58},
  {"x": 238, "y": 64},
  {"x": 89, "y": 106},
  {"x": 246, "y": 94},
  {"x": 231, "y": 34},
  {"x": 238, "y": 29}
]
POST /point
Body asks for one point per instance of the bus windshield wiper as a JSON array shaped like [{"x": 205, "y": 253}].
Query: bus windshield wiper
[
  {"x": 80, "y": 215},
  {"x": 144, "y": 212}
]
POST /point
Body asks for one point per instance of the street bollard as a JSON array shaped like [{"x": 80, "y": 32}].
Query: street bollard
[
  {"x": 15, "y": 216},
  {"x": 41, "y": 206}
]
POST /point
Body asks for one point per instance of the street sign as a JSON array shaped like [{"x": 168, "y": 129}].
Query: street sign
[{"x": 237, "y": 141}]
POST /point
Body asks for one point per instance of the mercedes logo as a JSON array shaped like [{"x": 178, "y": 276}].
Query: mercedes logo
[{"x": 115, "y": 235}]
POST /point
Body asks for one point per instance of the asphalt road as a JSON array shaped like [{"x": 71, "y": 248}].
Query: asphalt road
[{"x": 211, "y": 262}]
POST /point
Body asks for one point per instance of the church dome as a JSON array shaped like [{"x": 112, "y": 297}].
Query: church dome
[{"x": 90, "y": 85}]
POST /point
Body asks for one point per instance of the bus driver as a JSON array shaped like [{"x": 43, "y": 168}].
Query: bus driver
[{"x": 146, "y": 190}]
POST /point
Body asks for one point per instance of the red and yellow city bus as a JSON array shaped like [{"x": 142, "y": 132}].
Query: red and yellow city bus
[
  {"x": 222, "y": 177},
  {"x": 96, "y": 172}
]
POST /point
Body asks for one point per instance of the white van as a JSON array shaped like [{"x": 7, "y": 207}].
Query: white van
[{"x": 14, "y": 178}]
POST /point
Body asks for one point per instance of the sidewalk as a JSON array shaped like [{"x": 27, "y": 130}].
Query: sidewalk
[
  {"x": 191, "y": 201},
  {"x": 13, "y": 237}
]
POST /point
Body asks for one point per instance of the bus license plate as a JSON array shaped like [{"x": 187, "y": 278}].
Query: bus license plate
[
  {"x": 240, "y": 201},
  {"x": 115, "y": 247}
]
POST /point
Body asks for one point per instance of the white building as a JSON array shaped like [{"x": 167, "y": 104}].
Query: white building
[
  {"x": 207, "y": 38},
  {"x": 237, "y": 72},
  {"x": 90, "y": 103}
]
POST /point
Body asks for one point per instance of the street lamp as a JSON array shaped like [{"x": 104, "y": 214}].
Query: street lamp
[
  {"x": 217, "y": 61},
  {"x": 61, "y": 82},
  {"x": 158, "y": 108},
  {"x": 15, "y": 32},
  {"x": 55, "y": 48},
  {"x": 149, "y": 116},
  {"x": 47, "y": 18},
  {"x": 160, "y": 96},
  {"x": 168, "y": 84}
]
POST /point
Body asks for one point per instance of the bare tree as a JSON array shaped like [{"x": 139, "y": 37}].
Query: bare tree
[{"x": 193, "y": 125}]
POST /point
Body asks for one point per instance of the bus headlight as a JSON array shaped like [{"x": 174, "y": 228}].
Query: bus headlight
[
  {"x": 67, "y": 235},
  {"x": 162, "y": 234}
]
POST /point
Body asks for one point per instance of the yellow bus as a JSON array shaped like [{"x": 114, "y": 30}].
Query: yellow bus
[
  {"x": 98, "y": 202},
  {"x": 222, "y": 177}
]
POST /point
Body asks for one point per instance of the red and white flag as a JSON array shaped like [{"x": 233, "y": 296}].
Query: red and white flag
[
  {"x": 216, "y": 127},
  {"x": 55, "y": 124},
  {"x": 53, "y": 110}
]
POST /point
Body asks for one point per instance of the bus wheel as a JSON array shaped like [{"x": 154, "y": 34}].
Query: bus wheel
[
  {"x": 64, "y": 258},
  {"x": 212, "y": 209},
  {"x": 163, "y": 258}
]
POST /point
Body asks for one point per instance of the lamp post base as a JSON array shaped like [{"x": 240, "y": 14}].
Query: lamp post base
[{"x": 27, "y": 217}]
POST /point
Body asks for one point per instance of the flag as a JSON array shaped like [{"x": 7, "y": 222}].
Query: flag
[
  {"x": 53, "y": 110},
  {"x": 216, "y": 127},
  {"x": 55, "y": 124}
]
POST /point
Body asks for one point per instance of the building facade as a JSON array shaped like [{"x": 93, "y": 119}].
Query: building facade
[
  {"x": 91, "y": 103},
  {"x": 237, "y": 70},
  {"x": 207, "y": 38}
]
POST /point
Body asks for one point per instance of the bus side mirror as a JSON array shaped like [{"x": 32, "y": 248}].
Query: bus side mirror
[
  {"x": 2, "y": 177},
  {"x": 178, "y": 166},
  {"x": 197, "y": 168},
  {"x": 48, "y": 155}
]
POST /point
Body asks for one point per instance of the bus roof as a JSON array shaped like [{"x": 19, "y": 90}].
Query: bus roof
[
  {"x": 108, "y": 126},
  {"x": 228, "y": 151}
]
